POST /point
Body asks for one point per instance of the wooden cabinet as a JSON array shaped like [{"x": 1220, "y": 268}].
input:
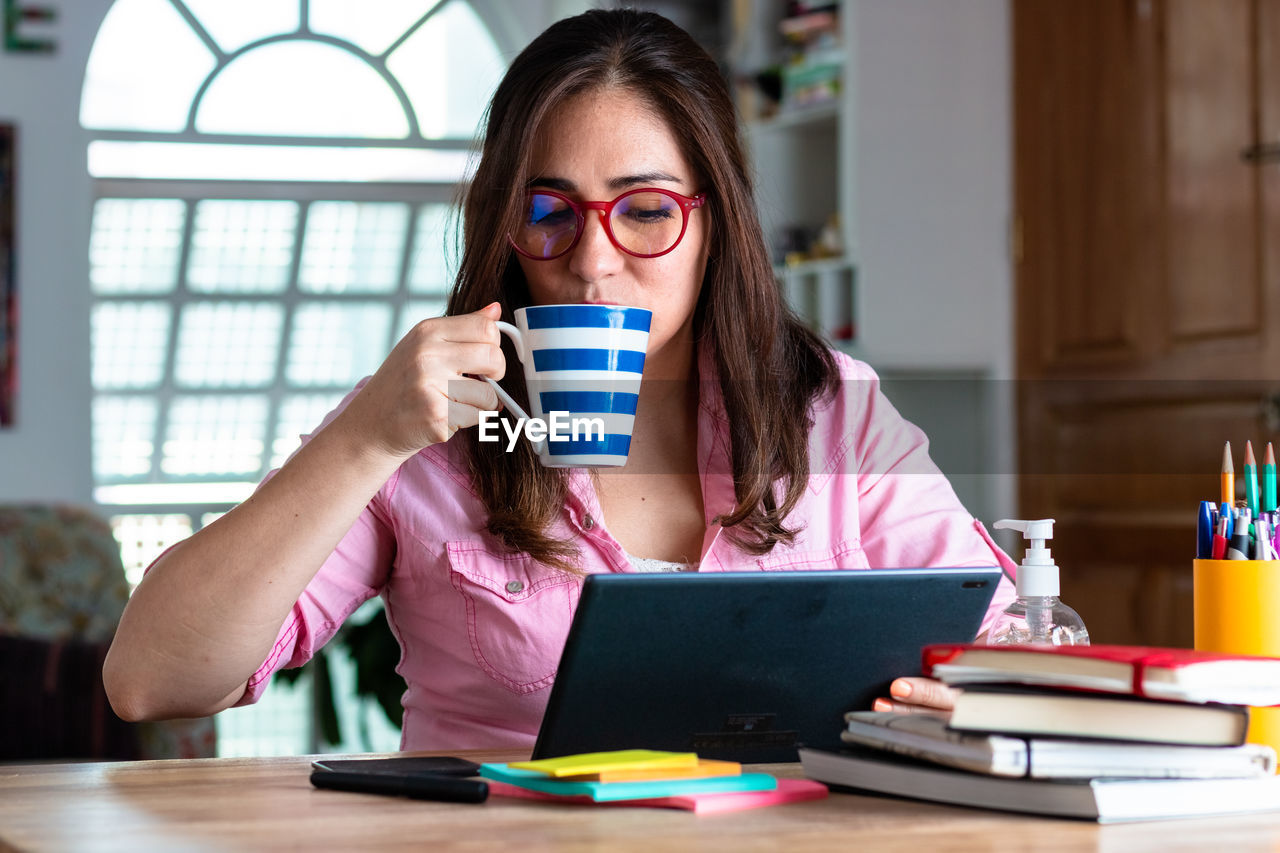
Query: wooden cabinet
[{"x": 1148, "y": 284}]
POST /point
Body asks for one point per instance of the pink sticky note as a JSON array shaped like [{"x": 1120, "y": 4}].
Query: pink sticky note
[{"x": 788, "y": 791}]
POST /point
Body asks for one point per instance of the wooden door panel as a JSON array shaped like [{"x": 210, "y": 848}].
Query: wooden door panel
[
  {"x": 1157, "y": 451},
  {"x": 1085, "y": 193},
  {"x": 1214, "y": 282},
  {"x": 1267, "y": 43}
]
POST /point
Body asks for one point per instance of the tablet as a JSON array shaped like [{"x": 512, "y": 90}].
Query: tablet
[{"x": 746, "y": 666}]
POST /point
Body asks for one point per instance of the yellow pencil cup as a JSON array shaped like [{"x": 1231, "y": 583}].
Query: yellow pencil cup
[{"x": 1237, "y": 610}]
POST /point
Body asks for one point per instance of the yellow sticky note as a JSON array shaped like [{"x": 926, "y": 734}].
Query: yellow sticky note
[
  {"x": 704, "y": 769},
  {"x": 598, "y": 762}
]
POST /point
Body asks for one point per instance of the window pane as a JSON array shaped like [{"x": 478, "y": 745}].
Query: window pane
[
  {"x": 130, "y": 342},
  {"x": 135, "y": 244},
  {"x": 275, "y": 163},
  {"x": 416, "y": 311},
  {"x": 337, "y": 343},
  {"x": 300, "y": 414},
  {"x": 277, "y": 724},
  {"x": 215, "y": 435},
  {"x": 353, "y": 247},
  {"x": 432, "y": 251},
  {"x": 449, "y": 68},
  {"x": 372, "y": 24},
  {"x": 299, "y": 88},
  {"x": 142, "y": 538},
  {"x": 242, "y": 246},
  {"x": 236, "y": 23},
  {"x": 124, "y": 430},
  {"x": 145, "y": 68},
  {"x": 228, "y": 344}
]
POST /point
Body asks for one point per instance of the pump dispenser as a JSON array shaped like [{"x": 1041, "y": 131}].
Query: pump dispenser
[{"x": 1037, "y": 616}]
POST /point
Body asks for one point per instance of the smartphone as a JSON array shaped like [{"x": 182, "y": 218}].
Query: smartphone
[{"x": 440, "y": 765}]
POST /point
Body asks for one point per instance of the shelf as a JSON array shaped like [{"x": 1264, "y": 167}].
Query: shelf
[
  {"x": 822, "y": 292},
  {"x": 799, "y": 117},
  {"x": 817, "y": 266}
]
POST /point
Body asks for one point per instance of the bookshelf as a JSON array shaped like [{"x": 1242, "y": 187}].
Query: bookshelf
[{"x": 790, "y": 65}]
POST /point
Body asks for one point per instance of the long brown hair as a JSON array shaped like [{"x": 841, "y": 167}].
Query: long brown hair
[{"x": 771, "y": 368}]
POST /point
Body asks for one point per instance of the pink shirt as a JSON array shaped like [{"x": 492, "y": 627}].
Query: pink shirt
[{"x": 481, "y": 629}]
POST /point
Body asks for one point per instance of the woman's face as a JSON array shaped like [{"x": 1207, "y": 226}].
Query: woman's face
[{"x": 594, "y": 148}]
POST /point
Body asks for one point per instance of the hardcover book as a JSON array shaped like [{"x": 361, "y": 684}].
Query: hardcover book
[
  {"x": 927, "y": 737},
  {"x": 1056, "y": 713},
  {"x": 1159, "y": 673},
  {"x": 1103, "y": 800}
]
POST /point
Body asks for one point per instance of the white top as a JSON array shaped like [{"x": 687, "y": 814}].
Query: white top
[{"x": 645, "y": 564}]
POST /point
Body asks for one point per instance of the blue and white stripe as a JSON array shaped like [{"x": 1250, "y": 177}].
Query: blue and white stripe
[{"x": 588, "y": 360}]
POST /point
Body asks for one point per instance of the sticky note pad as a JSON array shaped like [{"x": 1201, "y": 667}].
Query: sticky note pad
[
  {"x": 614, "y": 791},
  {"x": 598, "y": 762},
  {"x": 706, "y": 802},
  {"x": 704, "y": 769}
]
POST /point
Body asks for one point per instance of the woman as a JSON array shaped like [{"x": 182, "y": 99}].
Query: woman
[{"x": 754, "y": 447}]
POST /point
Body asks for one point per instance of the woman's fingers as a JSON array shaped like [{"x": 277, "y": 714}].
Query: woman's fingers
[
  {"x": 467, "y": 399},
  {"x": 475, "y": 359},
  {"x": 422, "y": 394},
  {"x": 904, "y": 708},
  {"x": 914, "y": 694}
]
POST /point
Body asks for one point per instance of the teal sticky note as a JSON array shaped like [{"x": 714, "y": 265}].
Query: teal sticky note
[{"x": 612, "y": 791}]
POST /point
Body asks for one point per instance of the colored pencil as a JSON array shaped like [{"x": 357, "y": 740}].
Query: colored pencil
[
  {"x": 1228, "y": 477},
  {"x": 1269, "y": 480},
  {"x": 1251, "y": 479}
]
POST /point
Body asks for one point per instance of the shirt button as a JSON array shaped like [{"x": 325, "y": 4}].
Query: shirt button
[
  {"x": 514, "y": 586},
  {"x": 588, "y": 522}
]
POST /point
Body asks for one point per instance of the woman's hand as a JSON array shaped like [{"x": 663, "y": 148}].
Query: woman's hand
[
  {"x": 917, "y": 695},
  {"x": 425, "y": 391}
]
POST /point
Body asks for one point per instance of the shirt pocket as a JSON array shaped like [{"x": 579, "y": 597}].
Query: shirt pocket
[
  {"x": 843, "y": 555},
  {"x": 518, "y": 613}
]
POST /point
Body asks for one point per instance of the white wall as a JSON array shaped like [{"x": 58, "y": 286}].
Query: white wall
[
  {"x": 45, "y": 456},
  {"x": 932, "y": 207},
  {"x": 933, "y": 186}
]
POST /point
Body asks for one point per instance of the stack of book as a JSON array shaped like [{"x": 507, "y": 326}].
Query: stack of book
[
  {"x": 643, "y": 777},
  {"x": 1109, "y": 733}
]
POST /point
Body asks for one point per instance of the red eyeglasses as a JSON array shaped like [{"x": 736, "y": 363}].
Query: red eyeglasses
[{"x": 646, "y": 222}]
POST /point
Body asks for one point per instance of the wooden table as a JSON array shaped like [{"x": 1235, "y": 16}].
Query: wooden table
[{"x": 268, "y": 803}]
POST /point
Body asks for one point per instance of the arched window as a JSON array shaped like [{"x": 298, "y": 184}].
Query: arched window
[{"x": 272, "y": 182}]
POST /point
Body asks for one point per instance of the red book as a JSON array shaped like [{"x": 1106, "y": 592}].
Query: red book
[{"x": 1183, "y": 675}]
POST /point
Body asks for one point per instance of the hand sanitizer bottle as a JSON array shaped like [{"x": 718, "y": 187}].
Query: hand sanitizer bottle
[{"x": 1037, "y": 616}]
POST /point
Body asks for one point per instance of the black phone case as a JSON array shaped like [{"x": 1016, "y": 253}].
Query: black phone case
[{"x": 441, "y": 765}]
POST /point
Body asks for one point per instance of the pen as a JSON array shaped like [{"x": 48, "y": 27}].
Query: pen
[
  {"x": 1220, "y": 539},
  {"x": 1228, "y": 480},
  {"x": 419, "y": 786},
  {"x": 1263, "y": 528},
  {"x": 1251, "y": 478},
  {"x": 1204, "y": 530},
  {"x": 1238, "y": 549}
]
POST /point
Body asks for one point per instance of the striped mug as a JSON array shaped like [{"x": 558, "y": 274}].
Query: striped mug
[{"x": 582, "y": 365}]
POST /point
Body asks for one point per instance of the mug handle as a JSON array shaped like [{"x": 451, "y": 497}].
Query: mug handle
[{"x": 518, "y": 339}]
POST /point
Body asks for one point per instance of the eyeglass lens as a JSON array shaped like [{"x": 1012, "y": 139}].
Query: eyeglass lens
[{"x": 643, "y": 223}]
